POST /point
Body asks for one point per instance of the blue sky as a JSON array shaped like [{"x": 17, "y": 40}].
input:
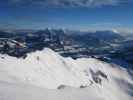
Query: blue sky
[{"x": 70, "y": 14}]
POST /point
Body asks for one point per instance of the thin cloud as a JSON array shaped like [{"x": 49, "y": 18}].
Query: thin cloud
[
  {"x": 67, "y": 3},
  {"x": 107, "y": 24}
]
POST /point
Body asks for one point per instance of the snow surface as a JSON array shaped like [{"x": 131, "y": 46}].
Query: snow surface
[{"x": 45, "y": 75}]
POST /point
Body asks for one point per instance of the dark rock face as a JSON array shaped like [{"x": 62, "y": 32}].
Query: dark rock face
[
  {"x": 97, "y": 76},
  {"x": 61, "y": 87},
  {"x": 100, "y": 73},
  {"x": 83, "y": 86}
]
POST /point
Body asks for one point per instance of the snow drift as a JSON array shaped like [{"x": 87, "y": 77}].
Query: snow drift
[{"x": 88, "y": 77}]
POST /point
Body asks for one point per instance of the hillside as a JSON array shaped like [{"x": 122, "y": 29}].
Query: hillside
[{"x": 47, "y": 69}]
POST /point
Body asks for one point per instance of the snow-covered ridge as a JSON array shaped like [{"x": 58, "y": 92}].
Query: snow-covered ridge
[{"x": 48, "y": 69}]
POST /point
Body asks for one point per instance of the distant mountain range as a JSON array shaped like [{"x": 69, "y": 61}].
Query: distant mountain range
[{"x": 68, "y": 43}]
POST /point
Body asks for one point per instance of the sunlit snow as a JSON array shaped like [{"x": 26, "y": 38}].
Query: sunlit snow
[{"x": 45, "y": 75}]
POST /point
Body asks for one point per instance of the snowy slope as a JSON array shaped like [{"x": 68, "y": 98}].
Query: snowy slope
[
  {"x": 88, "y": 77},
  {"x": 10, "y": 91}
]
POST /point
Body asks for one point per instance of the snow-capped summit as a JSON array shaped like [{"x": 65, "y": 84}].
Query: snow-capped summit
[
  {"x": 47, "y": 69},
  {"x": 115, "y": 31}
]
